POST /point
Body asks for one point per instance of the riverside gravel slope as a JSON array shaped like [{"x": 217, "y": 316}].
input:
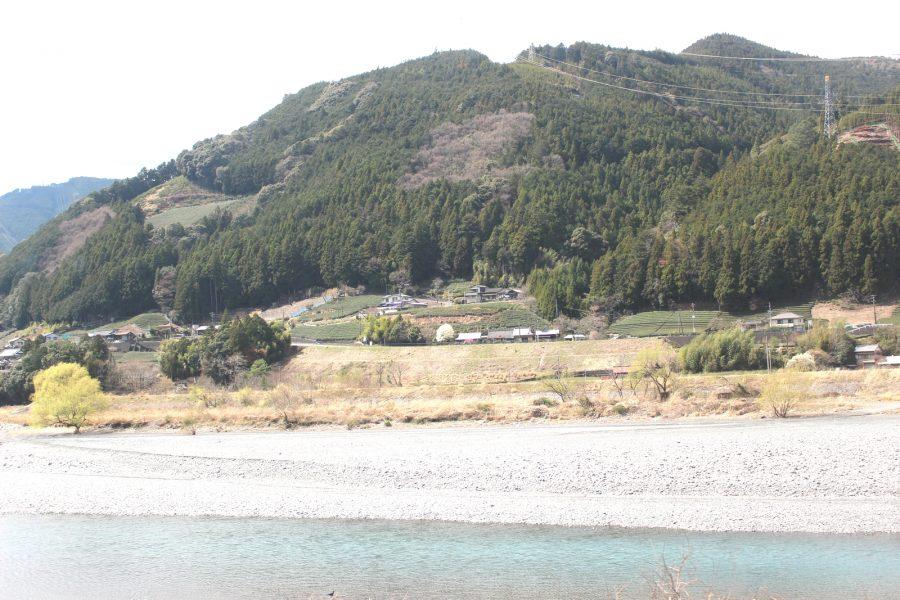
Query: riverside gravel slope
[{"x": 827, "y": 474}]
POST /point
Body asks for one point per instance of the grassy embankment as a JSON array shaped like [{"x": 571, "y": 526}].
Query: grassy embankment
[{"x": 356, "y": 386}]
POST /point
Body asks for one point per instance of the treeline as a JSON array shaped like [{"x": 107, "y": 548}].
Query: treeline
[
  {"x": 246, "y": 345},
  {"x": 17, "y": 384}
]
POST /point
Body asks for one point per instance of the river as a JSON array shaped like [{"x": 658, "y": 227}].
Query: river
[{"x": 177, "y": 557}]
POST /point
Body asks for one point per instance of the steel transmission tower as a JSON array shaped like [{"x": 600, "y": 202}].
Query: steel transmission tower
[{"x": 828, "y": 126}]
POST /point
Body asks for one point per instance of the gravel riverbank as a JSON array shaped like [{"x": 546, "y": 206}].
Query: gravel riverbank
[{"x": 835, "y": 474}]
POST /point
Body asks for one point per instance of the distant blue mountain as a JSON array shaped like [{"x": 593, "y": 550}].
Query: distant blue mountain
[{"x": 22, "y": 211}]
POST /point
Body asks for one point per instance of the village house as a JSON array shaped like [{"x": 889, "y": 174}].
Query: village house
[
  {"x": 17, "y": 342},
  {"x": 890, "y": 361},
  {"x": 868, "y": 356},
  {"x": 523, "y": 334},
  {"x": 168, "y": 330},
  {"x": 482, "y": 293},
  {"x": 393, "y": 303},
  {"x": 750, "y": 325},
  {"x": 500, "y": 336},
  {"x": 546, "y": 335},
  {"x": 129, "y": 333},
  {"x": 787, "y": 320},
  {"x": 9, "y": 356},
  {"x": 473, "y": 337},
  {"x": 106, "y": 334}
]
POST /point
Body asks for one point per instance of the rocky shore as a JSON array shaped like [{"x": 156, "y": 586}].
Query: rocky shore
[{"x": 830, "y": 474}]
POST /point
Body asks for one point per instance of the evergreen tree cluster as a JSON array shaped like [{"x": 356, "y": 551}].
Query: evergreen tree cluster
[{"x": 612, "y": 200}]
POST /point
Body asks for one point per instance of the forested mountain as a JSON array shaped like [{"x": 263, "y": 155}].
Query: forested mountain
[
  {"x": 23, "y": 211},
  {"x": 452, "y": 165}
]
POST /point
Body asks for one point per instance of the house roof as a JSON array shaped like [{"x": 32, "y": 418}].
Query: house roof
[
  {"x": 547, "y": 332},
  {"x": 10, "y": 353},
  {"x": 500, "y": 335},
  {"x": 892, "y": 360},
  {"x": 462, "y": 337},
  {"x": 101, "y": 333},
  {"x": 129, "y": 328},
  {"x": 867, "y": 348},
  {"x": 522, "y": 331},
  {"x": 787, "y": 315}
]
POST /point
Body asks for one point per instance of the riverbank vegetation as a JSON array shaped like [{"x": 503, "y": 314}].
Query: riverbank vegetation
[{"x": 358, "y": 386}]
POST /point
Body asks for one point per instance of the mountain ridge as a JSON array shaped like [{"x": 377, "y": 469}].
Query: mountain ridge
[
  {"x": 24, "y": 210},
  {"x": 526, "y": 175}
]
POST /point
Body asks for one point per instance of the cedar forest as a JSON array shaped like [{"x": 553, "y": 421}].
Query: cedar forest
[{"x": 455, "y": 166}]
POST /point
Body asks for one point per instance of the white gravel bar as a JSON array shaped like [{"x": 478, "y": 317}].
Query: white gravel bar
[{"x": 827, "y": 474}]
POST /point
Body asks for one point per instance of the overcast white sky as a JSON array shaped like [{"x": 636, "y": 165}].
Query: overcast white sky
[{"x": 104, "y": 88}]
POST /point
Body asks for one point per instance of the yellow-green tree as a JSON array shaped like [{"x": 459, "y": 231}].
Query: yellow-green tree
[{"x": 65, "y": 394}]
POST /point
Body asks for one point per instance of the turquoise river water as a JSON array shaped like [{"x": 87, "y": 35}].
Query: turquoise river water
[{"x": 175, "y": 557}]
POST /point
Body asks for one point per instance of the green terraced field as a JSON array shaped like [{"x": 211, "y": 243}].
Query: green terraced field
[
  {"x": 664, "y": 322},
  {"x": 463, "y": 310},
  {"x": 189, "y": 215},
  {"x": 517, "y": 316},
  {"x": 146, "y": 321},
  {"x": 345, "y": 331},
  {"x": 340, "y": 308}
]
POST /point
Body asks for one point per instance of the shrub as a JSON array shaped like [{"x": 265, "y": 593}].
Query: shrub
[
  {"x": 390, "y": 330},
  {"x": 726, "y": 350},
  {"x": 831, "y": 339},
  {"x": 245, "y": 396},
  {"x": 260, "y": 370},
  {"x": 801, "y": 362},
  {"x": 889, "y": 339},
  {"x": 180, "y": 358},
  {"x": 811, "y": 360},
  {"x": 445, "y": 333},
  {"x": 781, "y": 393},
  {"x": 65, "y": 394},
  {"x": 545, "y": 402},
  {"x": 586, "y": 405},
  {"x": 620, "y": 409}
]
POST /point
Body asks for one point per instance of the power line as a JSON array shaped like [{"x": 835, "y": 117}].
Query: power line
[
  {"x": 783, "y": 58},
  {"x": 693, "y": 88},
  {"x": 703, "y": 100}
]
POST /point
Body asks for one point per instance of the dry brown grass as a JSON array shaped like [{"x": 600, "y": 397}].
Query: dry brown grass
[
  {"x": 851, "y": 312},
  {"x": 340, "y": 386}
]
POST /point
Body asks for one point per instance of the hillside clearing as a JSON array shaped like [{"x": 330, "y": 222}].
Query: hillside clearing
[
  {"x": 189, "y": 215},
  {"x": 854, "y": 313}
]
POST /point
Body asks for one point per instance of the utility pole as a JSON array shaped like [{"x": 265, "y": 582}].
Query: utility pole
[
  {"x": 828, "y": 125},
  {"x": 874, "y": 313},
  {"x": 693, "y": 321},
  {"x": 768, "y": 354},
  {"x": 531, "y": 53}
]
